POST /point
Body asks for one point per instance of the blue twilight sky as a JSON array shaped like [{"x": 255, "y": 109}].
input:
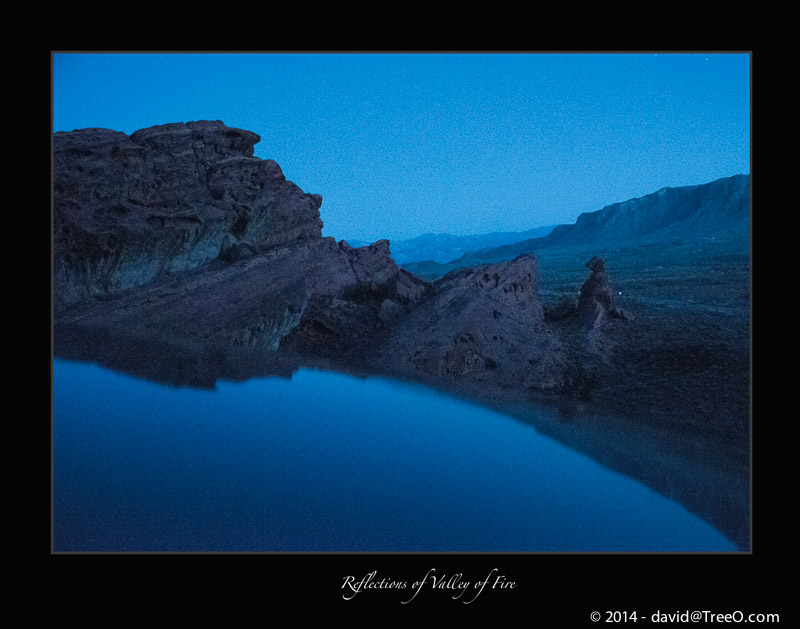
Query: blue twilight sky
[{"x": 462, "y": 143}]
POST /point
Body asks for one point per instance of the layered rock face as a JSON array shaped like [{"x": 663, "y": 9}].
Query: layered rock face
[
  {"x": 129, "y": 210},
  {"x": 343, "y": 318}
]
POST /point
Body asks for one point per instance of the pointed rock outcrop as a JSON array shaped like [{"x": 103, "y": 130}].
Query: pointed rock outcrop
[
  {"x": 479, "y": 324},
  {"x": 595, "y": 301}
]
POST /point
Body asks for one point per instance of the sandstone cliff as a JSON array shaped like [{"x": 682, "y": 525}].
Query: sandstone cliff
[{"x": 129, "y": 210}]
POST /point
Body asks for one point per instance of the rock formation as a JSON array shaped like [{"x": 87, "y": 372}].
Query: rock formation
[
  {"x": 178, "y": 234},
  {"x": 595, "y": 301},
  {"x": 175, "y": 245},
  {"x": 129, "y": 210},
  {"x": 480, "y": 324},
  {"x": 177, "y": 239}
]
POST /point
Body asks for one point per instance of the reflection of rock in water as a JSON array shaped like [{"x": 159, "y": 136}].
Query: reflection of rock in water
[
  {"x": 686, "y": 468},
  {"x": 167, "y": 362},
  {"x": 180, "y": 257}
]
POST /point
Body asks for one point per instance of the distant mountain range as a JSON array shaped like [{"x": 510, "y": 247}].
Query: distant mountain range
[
  {"x": 718, "y": 210},
  {"x": 447, "y": 247}
]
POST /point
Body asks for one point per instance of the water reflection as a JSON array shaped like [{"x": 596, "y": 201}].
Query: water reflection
[{"x": 324, "y": 461}]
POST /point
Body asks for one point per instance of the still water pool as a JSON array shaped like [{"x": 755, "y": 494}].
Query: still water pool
[{"x": 329, "y": 462}]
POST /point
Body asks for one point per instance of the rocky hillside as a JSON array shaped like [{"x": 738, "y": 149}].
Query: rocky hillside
[{"x": 717, "y": 209}]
